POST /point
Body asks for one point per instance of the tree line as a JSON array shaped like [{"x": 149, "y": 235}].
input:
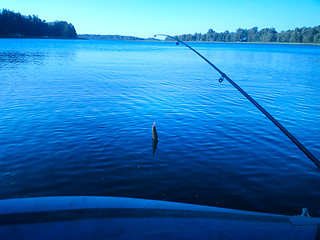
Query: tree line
[
  {"x": 267, "y": 35},
  {"x": 17, "y": 25}
]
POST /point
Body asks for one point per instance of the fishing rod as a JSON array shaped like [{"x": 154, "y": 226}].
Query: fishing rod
[{"x": 265, "y": 112}]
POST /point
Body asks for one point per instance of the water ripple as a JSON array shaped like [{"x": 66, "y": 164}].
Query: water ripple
[{"x": 76, "y": 119}]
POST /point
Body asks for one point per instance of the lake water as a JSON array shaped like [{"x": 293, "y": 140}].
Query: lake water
[{"x": 76, "y": 118}]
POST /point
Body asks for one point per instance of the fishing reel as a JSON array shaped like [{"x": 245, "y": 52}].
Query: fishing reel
[{"x": 221, "y": 79}]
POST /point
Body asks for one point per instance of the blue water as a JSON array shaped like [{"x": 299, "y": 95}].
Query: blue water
[{"x": 76, "y": 118}]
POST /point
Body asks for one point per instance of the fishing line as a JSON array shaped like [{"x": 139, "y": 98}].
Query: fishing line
[{"x": 265, "y": 112}]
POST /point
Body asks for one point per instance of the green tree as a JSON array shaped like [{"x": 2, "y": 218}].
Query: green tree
[
  {"x": 226, "y": 36},
  {"x": 204, "y": 37},
  {"x": 268, "y": 35},
  {"x": 252, "y": 35},
  {"x": 296, "y": 36},
  {"x": 241, "y": 35},
  {"x": 284, "y": 36},
  {"x": 316, "y": 38},
  {"x": 209, "y": 36},
  {"x": 308, "y": 34}
]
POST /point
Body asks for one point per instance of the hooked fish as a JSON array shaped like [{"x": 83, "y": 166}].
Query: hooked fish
[
  {"x": 154, "y": 138},
  {"x": 154, "y": 132}
]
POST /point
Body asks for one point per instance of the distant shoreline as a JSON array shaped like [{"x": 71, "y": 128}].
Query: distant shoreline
[{"x": 136, "y": 39}]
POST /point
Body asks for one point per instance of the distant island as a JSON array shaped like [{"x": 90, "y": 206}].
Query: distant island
[
  {"x": 305, "y": 35},
  {"x": 15, "y": 25},
  {"x": 109, "y": 37}
]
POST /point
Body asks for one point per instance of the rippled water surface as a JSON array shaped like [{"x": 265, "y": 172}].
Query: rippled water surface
[{"x": 76, "y": 118}]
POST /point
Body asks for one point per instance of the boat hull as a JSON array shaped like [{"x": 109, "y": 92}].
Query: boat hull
[{"x": 128, "y": 218}]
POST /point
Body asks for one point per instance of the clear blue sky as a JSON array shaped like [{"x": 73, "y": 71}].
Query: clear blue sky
[{"x": 144, "y": 18}]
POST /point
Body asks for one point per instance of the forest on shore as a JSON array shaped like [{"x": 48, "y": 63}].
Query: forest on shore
[
  {"x": 17, "y": 25},
  {"x": 305, "y": 35}
]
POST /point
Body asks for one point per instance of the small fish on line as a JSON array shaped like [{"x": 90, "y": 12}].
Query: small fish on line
[
  {"x": 154, "y": 131},
  {"x": 154, "y": 138}
]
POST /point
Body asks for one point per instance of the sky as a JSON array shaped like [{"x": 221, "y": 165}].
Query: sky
[{"x": 145, "y": 18}]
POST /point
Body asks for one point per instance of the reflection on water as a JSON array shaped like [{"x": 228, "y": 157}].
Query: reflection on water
[{"x": 154, "y": 145}]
